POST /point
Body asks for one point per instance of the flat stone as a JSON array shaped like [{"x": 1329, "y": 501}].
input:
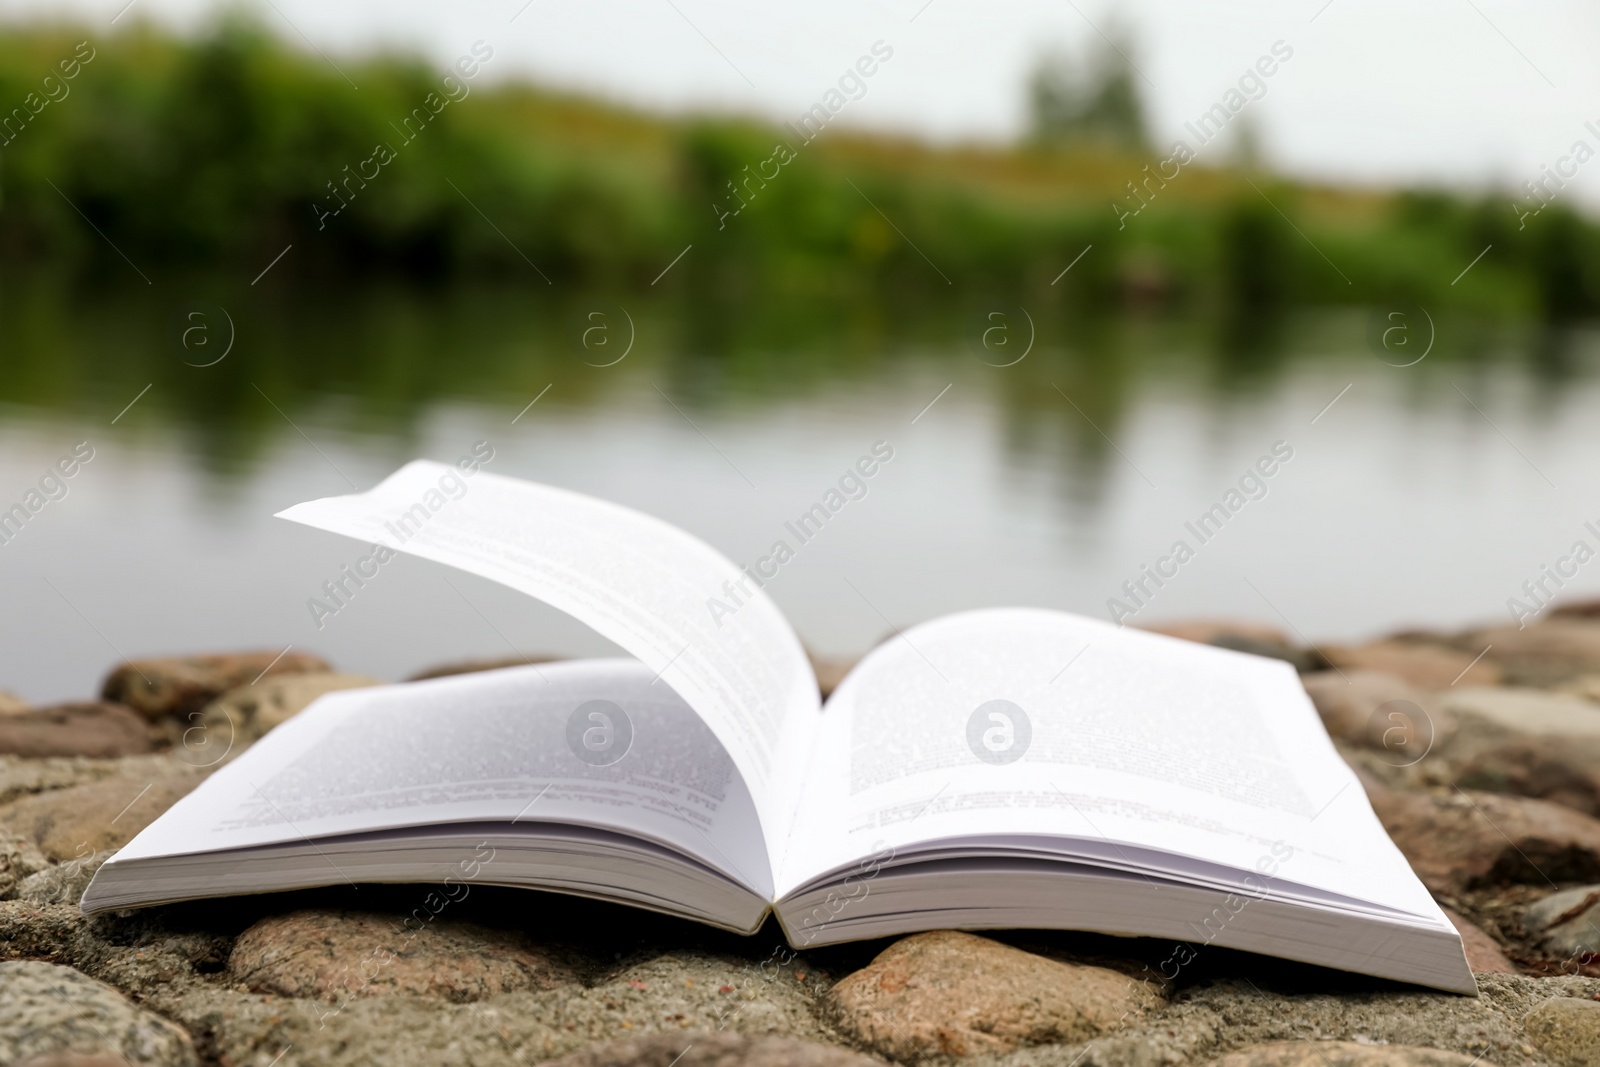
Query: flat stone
[
  {"x": 1484, "y": 954},
  {"x": 81, "y": 820},
  {"x": 948, "y": 993},
  {"x": 1568, "y": 921},
  {"x": 19, "y": 858},
  {"x": 243, "y": 716},
  {"x": 95, "y": 728},
  {"x": 1460, "y": 840},
  {"x": 1379, "y": 711},
  {"x": 1567, "y": 1030},
  {"x": 1541, "y": 654},
  {"x": 48, "y": 1009},
  {"x": 162, "y": 688},
  {"x": 1533, "y": 712},
  {"x": 702, "y": 1049},
  {"x": 1315, "y": 1053},
  {"x": 1426, "y": 666},
  {"x": 473, "y": 666},
  {"x": 10, "y": 703},
  {"x": 341, "y": 955}
]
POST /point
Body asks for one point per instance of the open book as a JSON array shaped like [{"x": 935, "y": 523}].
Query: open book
[{"x": 994, "y": 769}]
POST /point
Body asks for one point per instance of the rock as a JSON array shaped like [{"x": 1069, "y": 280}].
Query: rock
[
  {"x": 1567, "y": 1030},
  {"x": 50, "y": 1009},
  {"x": 1528, "y": 742},
  {"x": 20, "y": 777},
  {"x": 1460, "y": 840},
  {"x": 1562, "y": 772},
  {"x": 162, "y": 688},
  {"x": 1245, "y": 637},
  {"x": 93, "y": 728},
  {"x": 74, "y": 1059},
  {"x": 1426, "y": 666},
  {"x": 1568, "y": 921},
  {"x": 1542, "y": 654},
  {"x": 243, "y": 716},
  {"x": 830, "y": 672},
  {"x": 75, "y": 822},
  {"x": 1586, "y": 686},
  {"x": 62, "y": 883},
  {"x": 702, "y": 1049},
  {"x": 340, "y": 955},
  {"x": 472, "y": 666},
  {"x": 1378, "y": 711},
  {"x": 10, "y": 703},
  {"x": 19, "y": 858},
  {"x": 39, "y": 931},
  {"x": 1533, "y": 712},
  {"x": 956, "y": 994},
  {"x": 1209, "y": 631},
  {"x": 1317, "y": 1053},
  {"x": 1484, "y": 954}
]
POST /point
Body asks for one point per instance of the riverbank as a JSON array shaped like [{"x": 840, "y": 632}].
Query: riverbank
[{"x": 1479, "y": 750}]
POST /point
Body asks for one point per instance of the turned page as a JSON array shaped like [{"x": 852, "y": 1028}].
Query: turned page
[
  {"x": 1035, "y": 729},
  {"x": 632, "y": 578},
  {"x": 498, "y": 746}
]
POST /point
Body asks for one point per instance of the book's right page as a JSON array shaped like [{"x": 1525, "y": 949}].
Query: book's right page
[{"x": 1037, "y": 731}]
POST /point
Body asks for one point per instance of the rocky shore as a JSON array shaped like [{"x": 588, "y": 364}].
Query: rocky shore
[{"x": 1480, "y": 751}]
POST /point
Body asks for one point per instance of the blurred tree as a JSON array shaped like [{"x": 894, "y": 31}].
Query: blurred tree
[{"x": 1090, "y": 100}]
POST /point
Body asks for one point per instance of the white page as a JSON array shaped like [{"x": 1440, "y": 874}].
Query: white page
[
  {"x": 634, "y": 579},
  {"x": 492, "y": 746},
  {"x": 1136, "y": 739}
]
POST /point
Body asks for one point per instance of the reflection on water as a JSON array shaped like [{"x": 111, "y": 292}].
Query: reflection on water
[{"x": 1041, "y": 456}]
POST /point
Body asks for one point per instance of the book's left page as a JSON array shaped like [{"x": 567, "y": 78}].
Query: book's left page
[
  {"x": 632, "y": 578},
  {"x": 362, "y": 774}
]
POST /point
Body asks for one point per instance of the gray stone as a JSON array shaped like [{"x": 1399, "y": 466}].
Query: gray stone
[
  {"x": 19, "y": 858},
  {"x": 1531, "y": 712},
  {"x": 163, "y": 688},
  {"x": 1567, "y": 1031},
  {"x": 1542, "y": 654},
  {"x": 242, "y": 716},
  {"x": 673, "y": 994},
  {"x": 75, "y": 822},
  {"x": 63, "y": 883},
  {"x": 702, "y": 1049},
  {"x": 49, "y": 1009},
  {"x": 1315, "y": 1053},
  {"x": 340, "y": 955},
  {"x": 1568, "y": 921},
  {"x": 20, "y": 777}
]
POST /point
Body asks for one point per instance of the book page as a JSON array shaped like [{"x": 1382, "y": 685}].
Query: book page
[
  {"x": 522, "y": 744},
  {"x": 634, "y": 579},
  {"x": 1030, "y": 728}
]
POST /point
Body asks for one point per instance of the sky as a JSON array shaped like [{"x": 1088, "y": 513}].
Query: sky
[{"x": 1460, "y": 93}]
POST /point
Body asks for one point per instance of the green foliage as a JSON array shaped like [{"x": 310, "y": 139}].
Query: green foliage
[{"x": 213, "y": 154}]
